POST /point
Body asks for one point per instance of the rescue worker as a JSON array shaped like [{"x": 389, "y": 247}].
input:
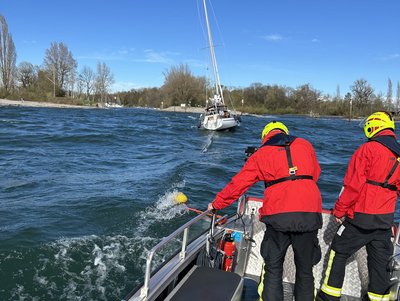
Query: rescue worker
[
  {"x": 365, "y": 210},
  {"x": 291, "y": 208}
]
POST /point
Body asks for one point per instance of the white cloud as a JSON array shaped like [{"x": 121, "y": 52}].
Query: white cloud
[
  {"x": 125, "y": 86},
  {"x": 163, "y": 57},
  {"x": 273, "y": 37},
  {"x": 390, "y": 57},
  {"x": 29, "y": 42}
]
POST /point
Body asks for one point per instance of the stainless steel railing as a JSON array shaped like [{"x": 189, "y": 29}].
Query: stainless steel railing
[{"x": 185, "y": 229}]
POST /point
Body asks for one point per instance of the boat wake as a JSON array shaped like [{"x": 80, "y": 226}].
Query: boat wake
[
  {"x": 89, "y": 264},
  {"x": 210, "y": 138},
  {"x": 165, "y": 209}
]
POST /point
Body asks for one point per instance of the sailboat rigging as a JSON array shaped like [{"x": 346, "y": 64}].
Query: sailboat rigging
[{"x": 216, "y": 115}]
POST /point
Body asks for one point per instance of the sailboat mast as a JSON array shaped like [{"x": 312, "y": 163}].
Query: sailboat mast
[{"x": 218, "y": 87}]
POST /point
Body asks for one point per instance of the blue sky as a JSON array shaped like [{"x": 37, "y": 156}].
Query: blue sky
[{"x": 326, "y": 43}]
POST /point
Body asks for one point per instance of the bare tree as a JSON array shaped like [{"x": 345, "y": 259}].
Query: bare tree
[
  {"x": 86, "y": 80},
  {"x": 389, "y": 96},
  {"x": 337, "y": 96},
  {"x": 362, "y": 93},
  {"x": 27, "y": 74},
  {"x": 104, "y": 80},
  {"x": 71, "y": 81},
  {"x": 180, "y": 86},
  {"x": 398, "y": 98},
  {"x": 8, "y": 56},
  {"x": 59, "y": 64},
  {"x": 306, "y": 98}
]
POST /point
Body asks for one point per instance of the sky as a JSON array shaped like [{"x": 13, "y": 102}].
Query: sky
[{"x": 328, "y": 44}]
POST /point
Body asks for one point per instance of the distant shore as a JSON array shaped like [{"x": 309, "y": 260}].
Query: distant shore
[
  {"x": 28, "y": 103},
  {"x": 184, "y": 110}
]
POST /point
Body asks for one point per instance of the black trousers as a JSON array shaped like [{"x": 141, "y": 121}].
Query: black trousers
[
  {"x": 348, "y": 240},
  {"x": 306, "y": 253}
]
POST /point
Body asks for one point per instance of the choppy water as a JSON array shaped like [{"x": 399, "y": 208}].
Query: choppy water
[{"x": 84, "y": 193}]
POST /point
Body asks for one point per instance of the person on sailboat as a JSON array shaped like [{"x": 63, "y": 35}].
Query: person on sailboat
[
  {"x": 291, "y": 208},
  {"x": 365, "y": 209}
]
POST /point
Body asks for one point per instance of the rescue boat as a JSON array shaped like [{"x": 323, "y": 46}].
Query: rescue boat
[{"x": 218, "y": 258}]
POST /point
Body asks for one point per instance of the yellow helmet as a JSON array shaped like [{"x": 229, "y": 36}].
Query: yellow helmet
[
  {"x": 274, "y": 125},
  {"x": 377, "y": 122}
]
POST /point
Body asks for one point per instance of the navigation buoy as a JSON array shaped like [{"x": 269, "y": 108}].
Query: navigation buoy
[{"x": 181, "y": 198}]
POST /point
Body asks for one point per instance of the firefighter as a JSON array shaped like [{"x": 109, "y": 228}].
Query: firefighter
[
  {"x": 291, "y": 208},
  {"x": 365, "y": 210}
]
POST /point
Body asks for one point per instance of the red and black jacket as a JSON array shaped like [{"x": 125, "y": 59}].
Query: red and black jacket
[
  {"x": 371, "y": 184},
  {"x": 290, "y": 205}
]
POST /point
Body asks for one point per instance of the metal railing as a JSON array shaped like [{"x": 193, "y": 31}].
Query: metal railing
[{"x": 185, "y": 229}]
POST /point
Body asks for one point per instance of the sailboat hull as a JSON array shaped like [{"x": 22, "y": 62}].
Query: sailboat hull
[{"x": 218, "y": 123}]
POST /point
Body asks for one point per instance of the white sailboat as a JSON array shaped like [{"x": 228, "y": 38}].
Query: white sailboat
[{"x": 216, "y": 116}]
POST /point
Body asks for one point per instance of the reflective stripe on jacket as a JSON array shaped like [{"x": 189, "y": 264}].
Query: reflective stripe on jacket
[
  {"x": 369, "y": 206},
  {"x": 290, "y": 205}
]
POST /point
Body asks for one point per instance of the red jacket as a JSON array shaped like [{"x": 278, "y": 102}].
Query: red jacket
[
  {"x": 369, "y": 206},
  {"x": 290, "y": 205}
]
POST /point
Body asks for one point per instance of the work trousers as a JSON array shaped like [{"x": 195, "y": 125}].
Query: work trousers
[
  {"x": 348, "y": 240},
  {"x": 306, "y": 253}
]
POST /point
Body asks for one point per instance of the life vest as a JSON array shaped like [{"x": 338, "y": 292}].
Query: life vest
[
  {"x": 285, "y": 141},
  {"x": 390, "y": 143}
]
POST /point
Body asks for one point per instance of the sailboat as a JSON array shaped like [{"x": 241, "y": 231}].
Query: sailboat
[{"x": 216, "y": 115}]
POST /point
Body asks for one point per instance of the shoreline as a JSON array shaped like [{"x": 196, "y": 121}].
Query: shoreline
[
  {"x": 28, "y": 103},
  {"x": 178, "y": 109}
]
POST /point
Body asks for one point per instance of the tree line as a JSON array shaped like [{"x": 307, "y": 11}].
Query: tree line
[{"x": 58, "y": 80}]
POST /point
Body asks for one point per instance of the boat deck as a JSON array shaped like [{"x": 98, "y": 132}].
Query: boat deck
[
  {"x": 185, "y": 277},
  {"x": 250, "y": 292}
]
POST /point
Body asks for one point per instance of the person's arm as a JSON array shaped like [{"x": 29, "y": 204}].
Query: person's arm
[
  {"x": 353, "y": 182},
  {"x": 242, "y": 181}
]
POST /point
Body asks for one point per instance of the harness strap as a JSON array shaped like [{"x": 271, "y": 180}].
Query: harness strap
[
  {"x": 390, "y": 143},
  {"x": 291, "y": 177},
  {"x": 385, "y": 183},
  {"x": 292, "y": 169}
]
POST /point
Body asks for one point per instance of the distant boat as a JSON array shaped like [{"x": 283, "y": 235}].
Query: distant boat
[
  {"x": 216, "y": 114},
  {"x": 313, "y": 114},
  {"x": 113, "y": 105}
]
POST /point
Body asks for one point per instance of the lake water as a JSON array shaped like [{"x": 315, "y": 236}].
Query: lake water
[{"x": 84, "y": 193}]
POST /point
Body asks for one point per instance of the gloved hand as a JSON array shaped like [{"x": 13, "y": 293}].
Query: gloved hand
[{"x": 339, "y": 220}]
